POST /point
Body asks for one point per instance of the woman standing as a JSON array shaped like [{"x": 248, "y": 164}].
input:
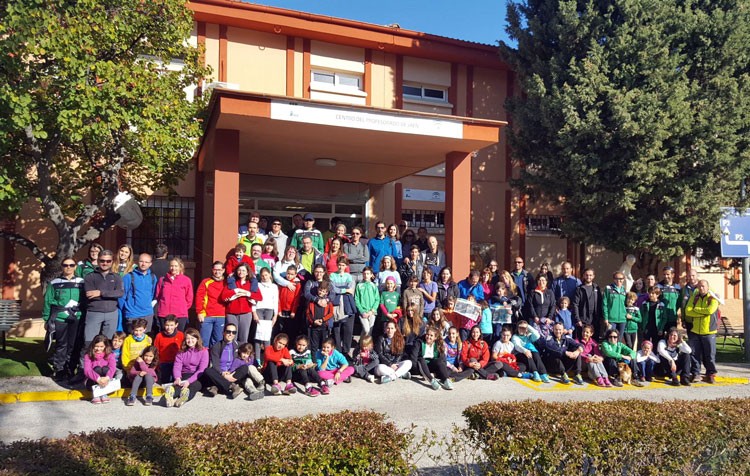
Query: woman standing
[
  {"x": 290, "y": 258},
  {"x": 240, "y": 301},
  {"x": 210, "y": 309},
  {"x": 331, "y": 258},
  {"x": 540, "y": 307},
  {"x": 174, "y": 292},
  {"x": 124, "y": 261},
  {"x": 393, "y": 235}
]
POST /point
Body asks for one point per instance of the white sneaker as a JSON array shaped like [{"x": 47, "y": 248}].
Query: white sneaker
[
  {"x": 330, "y": 382},
  {"x": 385, "y": 379},
  {"x": 447, "y": 384},
  {"x": 169, "y": 396},
  {"x": 370, "y": 378}
]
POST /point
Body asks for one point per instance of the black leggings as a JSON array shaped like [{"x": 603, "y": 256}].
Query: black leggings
[
  {"x": 613, "y": 370},
  {"x": 437, "y": 366},
  {"x": 306, "y": 376},
  {"x": 534, "y": 364},
  {"x": 561, "y": 365},
  {"x": 217, "y": 379},
  {"x": 277, "y": 372},
  {"x": 193, "y": 388}
]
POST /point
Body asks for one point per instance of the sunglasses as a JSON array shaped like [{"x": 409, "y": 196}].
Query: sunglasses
[
  {"x": 230, "y": 332},
  {"x": 69, "y": 265},
  {"x": 105, "y": 260}
]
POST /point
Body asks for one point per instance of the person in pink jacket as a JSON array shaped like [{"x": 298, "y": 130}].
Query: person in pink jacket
[{"x": 174, "y": 293}]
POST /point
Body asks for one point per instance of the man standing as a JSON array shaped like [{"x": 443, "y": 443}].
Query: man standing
[
  {"x": 309, "y": 256},
  {"x": 160, "y": 266},
  {"x": 252, "y": 237},
  {"x": 309, "y": 231},
  {"x": 62, "y": 313},
  {"x": 278, "y": 235},
  {"x": 690, "y": 286},
  {"x": 701, "y": 317},
  {"x": 422, "y": 239},
  {"x": 524, "y": 281},
  {"x": 358, "y": 254},
  {"x": 255, "y": 253},
  {"x": 613, "y": 305},
  {"x": 566, "y": 284},
  {"x": 139, "y": 291},
  {"x": 670, "y": 296},
  {"x": 380, "y": 246},
  {"x": 587, "y": 305}
]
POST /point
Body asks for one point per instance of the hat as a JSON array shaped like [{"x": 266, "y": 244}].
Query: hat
[
  {"x": 308, "y": 216},
  {"x": 391, "y": 279}
]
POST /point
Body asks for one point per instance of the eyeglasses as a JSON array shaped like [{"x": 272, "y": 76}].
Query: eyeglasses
[
  {"x": 217, "y": 269},
  {"x": 230, "y": 332},
  {"x": 69, "y": 265},
  {"x": 380, "y": 228},
  {"x": 517, "y": 262},
  {"x": 276, "y": 224},
  {"x": 105, "y": 260}
]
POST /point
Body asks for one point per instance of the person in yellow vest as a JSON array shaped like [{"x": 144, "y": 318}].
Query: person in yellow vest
[{"x": 702, "y": 319}]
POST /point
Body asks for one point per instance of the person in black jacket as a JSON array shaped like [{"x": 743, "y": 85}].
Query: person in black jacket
[
  {"x": 103, "y": 288},
  {"x": 586, "y": 305},
  {"x": 390, "y": 349},
  {"x": 219, "y": 371},
  {"x": 540, "y": 307},
  {"x": 561, "y": 354}
]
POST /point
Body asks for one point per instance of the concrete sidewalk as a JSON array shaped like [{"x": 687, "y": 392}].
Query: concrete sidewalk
[{"x": 405, "y": 403}]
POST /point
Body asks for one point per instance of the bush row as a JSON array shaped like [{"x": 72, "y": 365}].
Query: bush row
[
  {"x": 356, "y": 443},
  {"x": 625, "y": 437}
]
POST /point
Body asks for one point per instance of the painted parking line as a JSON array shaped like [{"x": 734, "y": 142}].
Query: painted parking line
[
  {"x": 555, "y": 386},
  {"x": 64, "y": 395}
]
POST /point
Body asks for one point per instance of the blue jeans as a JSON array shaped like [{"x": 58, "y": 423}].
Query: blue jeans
[{"x": 212, "y": 329}]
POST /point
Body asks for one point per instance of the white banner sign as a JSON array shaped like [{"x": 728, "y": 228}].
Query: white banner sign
[
  {"x": 374, "y": 121},
  {"x": 424, "y": 195}
]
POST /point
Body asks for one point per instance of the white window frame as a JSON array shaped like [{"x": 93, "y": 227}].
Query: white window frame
[
  {"x": 337, "y": 86},
  {"x": 422, "y": 96}
]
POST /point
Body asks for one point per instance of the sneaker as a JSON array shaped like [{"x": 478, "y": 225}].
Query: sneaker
[
  {"x": 616, "y": 382},
  {"x": 674, "y": 382},
  {"x": 684, "y": 381},
  {"x": 406, "y": 376},
  {"x": 578, "y": 380},
  {"x": 527, "y": 375},
  {"x": 276, "y": 389},
  {"x": 536, "y": 377},
  {"x": 105, "y": 399},
  {"x": 234, "y": 391},
  {"x": 330, "y": 382},
  {"x": 290, "y": 389},
  {"x": 312, "y": 392},
  {"x": 169, "y": 396},
  {"x": 255, "y": 395},
  {"x": 492, "y": 377},
  {"x": 370, "y": 378},
  {"x": 636, "y": 383},
  {"x": 447, "y": 384},
  {"x": 325, "y": 390},
  {"x": 148, "y": 401},
  {"x": 130, "y": 401},
  {"x": 564, "y": 379},
  {"x": 600, "y": 382},
  {"x": 212, "y": 391},
  {"x": 710, "y": 378},
  {"x": 641, "y": 378},
  {"x": 607, "y": 383},
  {"x": 473, "y": 376},
  {"x": 435, "y": 384},
  {"x": 385, "y": 379},
  {"x": 249, "y": 386},
  {"x": 695, "y": 378},
  {"x": 545, "y": 378},
  {"x": 96, "y": 400},
  {"x": 184, "y": 395}
]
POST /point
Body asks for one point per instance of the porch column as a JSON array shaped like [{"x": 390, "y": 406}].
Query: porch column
[
  {"x": 226, "y": 203},
  {"x": 458, "y": 212}
]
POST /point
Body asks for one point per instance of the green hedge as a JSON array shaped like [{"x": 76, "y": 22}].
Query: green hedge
[
  {"x": 626, "y": 437},
  {"x": 342, "y": 443}
]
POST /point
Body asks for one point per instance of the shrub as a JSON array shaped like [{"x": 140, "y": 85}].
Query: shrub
[
  {"x": 355, "y": 443},
  {"x": 626, "y": 437}
]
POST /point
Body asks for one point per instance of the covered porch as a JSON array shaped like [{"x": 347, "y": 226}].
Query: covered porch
[{"x": 275, "y": 136}]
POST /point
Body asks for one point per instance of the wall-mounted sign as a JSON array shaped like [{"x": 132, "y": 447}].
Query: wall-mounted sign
[
  {"x": 424, "y": 195},
  {"x": 375, "y": 121}
]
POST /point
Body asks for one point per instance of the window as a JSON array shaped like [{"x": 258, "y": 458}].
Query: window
[
  {"x": 433, "y": 220},
  {"x": 543, "y": 224},
  {"x": 429, "y": 93},
  {"x": 166, "y": 220},
  {"x": 336, "y": 80}
]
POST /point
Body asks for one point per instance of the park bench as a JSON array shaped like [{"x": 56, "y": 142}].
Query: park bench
[
  {"x": 10, "y": 314},
  {"x": 726, "y": 329}
]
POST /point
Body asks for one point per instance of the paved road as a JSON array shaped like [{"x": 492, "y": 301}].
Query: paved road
[{"x": 404, "y": 403}]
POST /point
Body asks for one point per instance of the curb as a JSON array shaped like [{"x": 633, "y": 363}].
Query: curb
[{"x": 64, "y": 395}]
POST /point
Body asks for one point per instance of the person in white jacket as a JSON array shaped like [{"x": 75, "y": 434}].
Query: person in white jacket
[
  {"x": 674, "y": 354},
  {"x": 267, "y": 309}
]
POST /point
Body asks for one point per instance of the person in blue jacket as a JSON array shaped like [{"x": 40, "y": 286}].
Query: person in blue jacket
[
  {"x": 138, "y": 299},
  {"x": 380, "y": 246},
  {"x": 471, "y": 286}
]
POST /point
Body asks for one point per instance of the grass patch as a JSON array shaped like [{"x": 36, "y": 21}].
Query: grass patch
[
  {"x": 731, "y": 352},
  {"x": 24, "y": 357}
]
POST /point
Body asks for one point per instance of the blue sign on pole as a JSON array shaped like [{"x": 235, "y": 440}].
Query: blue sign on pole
[{"x": 735, "y": 233}]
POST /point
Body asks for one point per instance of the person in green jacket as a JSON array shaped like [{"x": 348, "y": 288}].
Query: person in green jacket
[
  {"x": 701, "y": 317},
  {"x": 653, "y": 319},
  {"x": 367, "y": 300},
  {"x": 632, "y": 319},
  {"x": 62, "y": 313},
  {"x": 615, "y": 352},
  {"x": 613, "y": 305},
  {"x": 89, "y": 265}
]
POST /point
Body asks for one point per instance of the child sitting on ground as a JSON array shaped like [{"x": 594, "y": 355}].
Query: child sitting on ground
[
  {"x": 277, "y": 364},
  {"x": 168, "y": 342},
  {"x": 117, "y": 340},
  {"x": 99, "y": 366},
  {"x": 134, "y": 344},
  {"x": 304, "y": 369},
  {"x": 254, "y": 383},
  {"x": 332, "y": 365},
  {"x": 646, "y": 360},
  {"x": 367, "y": 359},
  {"x": 144, "y": 369}
]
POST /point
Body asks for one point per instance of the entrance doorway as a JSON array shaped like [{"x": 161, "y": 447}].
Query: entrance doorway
[{"x": 351, "y": 214}]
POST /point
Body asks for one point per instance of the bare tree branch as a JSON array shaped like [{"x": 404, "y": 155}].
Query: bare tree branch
[{"x": 23, "y": 241}]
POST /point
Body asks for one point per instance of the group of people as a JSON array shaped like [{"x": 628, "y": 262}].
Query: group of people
[{"x": 285, "y": 319}]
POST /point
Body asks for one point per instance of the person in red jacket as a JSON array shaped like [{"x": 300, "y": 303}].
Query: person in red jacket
[
  {"x": 236, "y": 256},
  {"x": 240, "y": 301},
  {"x": 168, "y": 342},
  {"x": 210, "y": 309},
  {"x": 174, "y": 293},
  {"x": 318, "y": 314},
  {"x": 289, "y": 304},
  {"x": 475, "y": 354},
  {"x": 277, "y": 366}
]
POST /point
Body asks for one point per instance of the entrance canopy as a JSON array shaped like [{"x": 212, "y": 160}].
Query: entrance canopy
[
  {"x": 279, "y": 136},
  {"x": 263, "y": 135}
]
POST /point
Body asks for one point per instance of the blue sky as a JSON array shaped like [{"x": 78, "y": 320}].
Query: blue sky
[{"x": 482, "y": 21}]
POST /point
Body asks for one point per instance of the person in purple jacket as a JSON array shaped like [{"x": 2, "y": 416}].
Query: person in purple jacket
[
  {"x": 223, "y": 377},
  {"x": 189, "y": 365},
  {"x": 144, "y": 369},
  {"x": 99, "y": 365}
]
